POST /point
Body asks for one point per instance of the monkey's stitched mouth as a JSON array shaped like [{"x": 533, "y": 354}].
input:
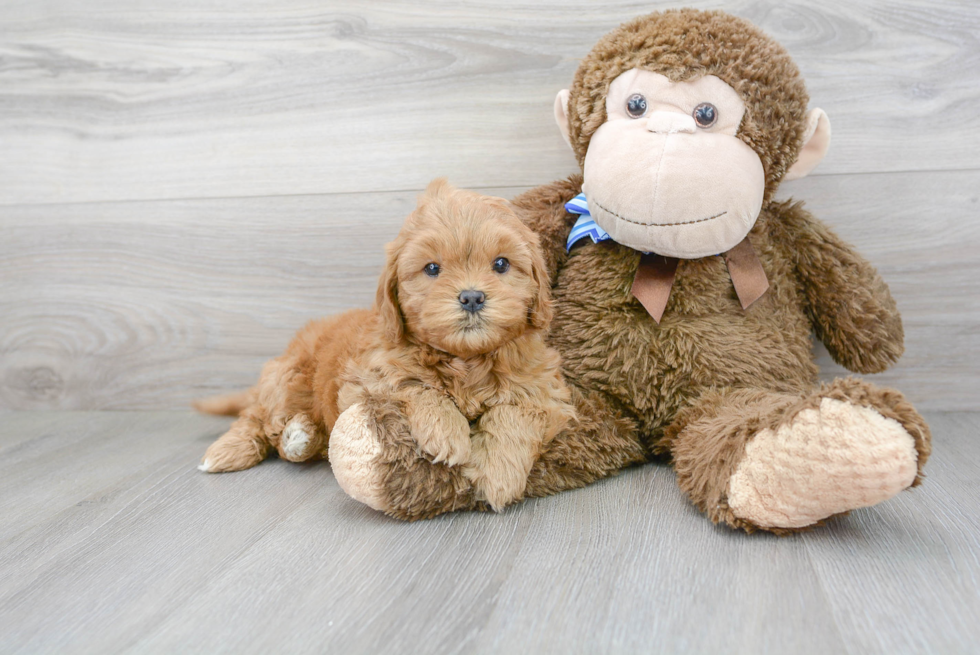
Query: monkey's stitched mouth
[{"x": 623, "y": 218}]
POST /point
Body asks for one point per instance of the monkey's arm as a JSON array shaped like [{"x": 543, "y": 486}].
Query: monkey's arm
[
  {"x": 543, "y": 210},
  {"x": 850, "y": 306}
]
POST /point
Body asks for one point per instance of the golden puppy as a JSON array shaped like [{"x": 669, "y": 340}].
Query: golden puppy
[{"x": 455, "y": 340}]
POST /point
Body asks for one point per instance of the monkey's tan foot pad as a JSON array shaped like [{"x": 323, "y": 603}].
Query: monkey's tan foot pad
[
  {"x": 298, "y": 441},
  {"x": 355, "y": 457},
  {"x": 827, "y": 460}
]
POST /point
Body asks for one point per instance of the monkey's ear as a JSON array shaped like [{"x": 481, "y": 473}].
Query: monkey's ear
[
  {"x": 386, "y": 301},
  {"x": 816, "y": 141},
  {"x": 561, "y": 115}
]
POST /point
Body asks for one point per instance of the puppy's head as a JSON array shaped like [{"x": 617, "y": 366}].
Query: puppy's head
[{"x": 464, "y": 275}]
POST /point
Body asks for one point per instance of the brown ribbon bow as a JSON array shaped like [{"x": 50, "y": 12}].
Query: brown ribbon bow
[{"x": 655, "y": 276}]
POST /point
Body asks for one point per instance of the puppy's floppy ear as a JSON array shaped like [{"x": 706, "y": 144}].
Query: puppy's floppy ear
[
  {"x": 539, "y": 313},
  {"x": 392, "y": 320}
]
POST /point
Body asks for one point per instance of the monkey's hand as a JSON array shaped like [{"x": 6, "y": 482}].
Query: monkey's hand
[
  {"x": 437, "y": 425},
  {"x": 850, "y": 306},
  {"x": 506, "y": 443}
]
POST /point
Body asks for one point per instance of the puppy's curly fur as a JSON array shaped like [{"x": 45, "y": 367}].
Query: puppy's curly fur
[{"x": 477, "y": 386}]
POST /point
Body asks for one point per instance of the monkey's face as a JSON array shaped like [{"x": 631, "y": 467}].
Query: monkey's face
[{"x": 666, "y": 173}]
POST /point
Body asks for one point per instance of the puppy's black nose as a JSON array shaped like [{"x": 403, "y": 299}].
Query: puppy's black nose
[{"x": 472, "y": 301}]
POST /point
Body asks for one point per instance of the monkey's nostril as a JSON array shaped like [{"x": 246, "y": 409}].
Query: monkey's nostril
[
  {"x": 472, "y": 301},
  {"x": 670, "y": 122}
]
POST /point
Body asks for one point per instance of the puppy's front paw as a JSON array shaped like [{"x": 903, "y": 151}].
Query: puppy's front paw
[
  {"x": 498, "y": 477},
  {"x": 441, "y": 431}
]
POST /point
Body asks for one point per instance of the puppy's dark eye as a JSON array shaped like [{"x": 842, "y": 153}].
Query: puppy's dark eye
[
  {"x": 501, "y": 265},
  {"x": 431, "y": 269},
  {"x": 636, "y": 105},
  {"x": 705, "y": 114}
]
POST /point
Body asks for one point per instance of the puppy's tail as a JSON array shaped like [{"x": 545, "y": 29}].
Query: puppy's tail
[{"x": 231, "y": 404}]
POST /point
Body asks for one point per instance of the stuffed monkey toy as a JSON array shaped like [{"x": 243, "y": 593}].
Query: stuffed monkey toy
[{"x": 685, "y": 296}]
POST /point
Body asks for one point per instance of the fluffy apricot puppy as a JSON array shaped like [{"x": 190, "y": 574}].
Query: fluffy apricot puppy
[{"x": 454, "y": 347}]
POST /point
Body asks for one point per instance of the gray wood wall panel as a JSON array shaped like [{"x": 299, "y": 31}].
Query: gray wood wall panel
[
  {"x": 110, "y": 100},
  {"x": 151, "y": 304},
  {"x": 152, "y": 556},
  {"x": 183, "y": 184}
]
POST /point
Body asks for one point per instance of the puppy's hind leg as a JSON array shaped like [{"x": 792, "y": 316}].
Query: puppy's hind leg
[
  {"x": 241, "y": 447},
  {"x": 301, "y": 439}
]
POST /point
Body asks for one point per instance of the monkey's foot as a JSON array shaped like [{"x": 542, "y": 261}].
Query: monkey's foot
[
  {"x": 827, "y": 460},
  {"x": 354, "y": 452}
]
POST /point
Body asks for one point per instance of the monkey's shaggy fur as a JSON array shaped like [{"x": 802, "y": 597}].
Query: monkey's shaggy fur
[
  {"x": 752, "y": 369},
  {"x": 702, "y": 384}
]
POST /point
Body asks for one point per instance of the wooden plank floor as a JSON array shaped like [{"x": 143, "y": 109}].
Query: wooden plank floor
[{"x": 111, "y": 541}]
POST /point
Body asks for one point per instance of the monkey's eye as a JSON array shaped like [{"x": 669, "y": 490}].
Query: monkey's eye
[
  {"x": 431, "y": 269},
  {"x": 705, "y": 115},
  {"x": 636, "y": 105},
  {"x": 501, "y": 265}
]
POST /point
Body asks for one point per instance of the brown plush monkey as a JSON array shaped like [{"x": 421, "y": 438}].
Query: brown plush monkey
[{"x": 684, "y": 123}]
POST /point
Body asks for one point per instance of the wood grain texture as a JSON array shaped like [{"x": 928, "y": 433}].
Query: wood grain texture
[
  {"x": 183, "y": 184},
  {"x": 923, "y": 234},
  {"x": 114, "y": 101},
  {"x": 145, "y": 554},
  {"x": 147, "y": 305},
  {"x": 910, "y": 556}
]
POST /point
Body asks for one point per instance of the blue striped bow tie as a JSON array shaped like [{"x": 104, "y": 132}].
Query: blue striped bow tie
[{"x": 584, "y": 226}]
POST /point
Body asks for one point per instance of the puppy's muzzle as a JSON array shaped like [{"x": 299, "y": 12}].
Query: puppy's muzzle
[{"x": 472, "y": 301}]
